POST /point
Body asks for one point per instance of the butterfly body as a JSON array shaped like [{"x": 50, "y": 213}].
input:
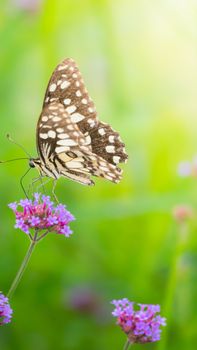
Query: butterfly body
[{"x": 71, "y": 141}]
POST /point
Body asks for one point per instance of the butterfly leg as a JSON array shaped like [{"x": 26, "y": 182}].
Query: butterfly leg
[
  {"x": 31, "y": 185},
  {"x": 53, "y": 191},
  {"x": 21, "y": 183},
  {"x": 42, "y": 184}
]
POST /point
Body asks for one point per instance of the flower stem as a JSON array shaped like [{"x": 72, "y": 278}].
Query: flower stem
[
  {"x": 42, "y": 236},
  {"x": 127, "y": 345},
  {"x": 21, "y": 269},
  {"x": 179, "y": 249}
]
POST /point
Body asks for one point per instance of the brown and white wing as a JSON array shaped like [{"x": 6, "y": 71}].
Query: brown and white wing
[
  {"x": 66, "y": 151},
  {"x": 67, "y": 87}
]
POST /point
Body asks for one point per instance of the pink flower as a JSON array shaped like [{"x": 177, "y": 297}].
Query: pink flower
[
  {"x": 5, "y": 310},
  {"x": 41, "y": 214},
  {"x": 182, "y": 212},
  {"x": 141, "y": 325}
]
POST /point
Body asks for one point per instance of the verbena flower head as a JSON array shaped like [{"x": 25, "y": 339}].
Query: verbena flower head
[
  {"x": 41, "y": 214},
  {"x": 184, "y": 169},
  {"x": 142, "y": 323},
  {"x": 5, "y": 310},
  {"x": 188, "y": 168},
  {"x": 182, "y": 212},
  {"x": 28, "y": 5}
]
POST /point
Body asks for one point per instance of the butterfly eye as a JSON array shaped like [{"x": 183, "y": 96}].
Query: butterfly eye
[
  {"x": 71, "y": 154},
  {"x": 31, "y": 163}
]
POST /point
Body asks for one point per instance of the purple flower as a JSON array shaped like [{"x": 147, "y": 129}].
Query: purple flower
[
  {"x": 185, "y": 169},
  {"x": 28, "y": 5},
  {"x": 41, "y": 214},
  {"x": 142, "y": 324},
  {"x": 182, "y": 212},
  {"x": 5, "y": 310},
  {"x": 13, "y": 206},
  {"x": 21, "y": 224}
]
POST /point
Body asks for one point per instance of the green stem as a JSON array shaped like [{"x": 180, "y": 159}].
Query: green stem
[
  {"x": 173, "y": 280},
  {"x": 42, "y": 236},
  {"x": 127, "y": 345},
  {"x": 21, "y": 269}
]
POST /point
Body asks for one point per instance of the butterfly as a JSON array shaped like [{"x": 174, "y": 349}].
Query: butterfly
[{"x": 71, "y": 141}]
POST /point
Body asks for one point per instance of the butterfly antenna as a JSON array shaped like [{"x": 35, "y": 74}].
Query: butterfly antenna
[
  {"x": 11, "y": 160},
  {"x": 18, "y": 144},
  {"x": 21, "y": 183}
]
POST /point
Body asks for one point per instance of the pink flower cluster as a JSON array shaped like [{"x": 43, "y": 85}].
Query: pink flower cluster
[
  {"x": 182, "y": 212},
  {"x": 141, "y": 325},
  {"x": 5, "y": 310},
  {"x": 187, "y": 168},
  {"x": 41, "y": 214}
]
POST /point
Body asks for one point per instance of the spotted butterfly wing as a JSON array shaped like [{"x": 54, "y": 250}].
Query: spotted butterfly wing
[{"x": 71, "y": 141}]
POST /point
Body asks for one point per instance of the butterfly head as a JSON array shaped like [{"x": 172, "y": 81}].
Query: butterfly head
[
  {"x": 42, "y": 168},
  {"x": 35, "y": 163}
]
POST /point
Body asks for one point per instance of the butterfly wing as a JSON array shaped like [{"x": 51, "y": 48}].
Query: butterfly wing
[
  {"x": 66, "y": 151},
  {"x": 67, "y": 87}
]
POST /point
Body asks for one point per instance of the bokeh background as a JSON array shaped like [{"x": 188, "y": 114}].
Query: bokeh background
[{"x": 139, "y": 61}]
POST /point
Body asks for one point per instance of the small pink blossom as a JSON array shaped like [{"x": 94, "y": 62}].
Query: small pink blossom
[
  {"x": 142, "y": 323},
  {"x": 41, "y": 214},
  {"x": 185, "y": 169},
  {"x": 182, "y": 212},
  {"x": 5, "y": 310}
]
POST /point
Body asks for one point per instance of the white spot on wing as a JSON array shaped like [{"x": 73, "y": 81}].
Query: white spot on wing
[
  {"x": 108, "y": 177},
  {"x": 101, "y": 131},
  {"x": 53, "y": 99},
  {"x": 74, "y": 164},
  {"x": 66, "y": 142},
  {"x": 71, "y": 109},
  {"x": 63, "y": 136},
  {"x": 88, "y": 140},
  {"x": 45, "y": 118},
  {"x": 52, "y": 87},
  {"x": 53, "y": 107},
  {"x": 84, "y": 101},
  {"x": 76, "y": 133},
  {"x": 76, "y": 117},
  {"x": 91, "y": 122},
  {"x": 78, "y": 93},
  {"x": 104, "y": 168},
  {"x": 110, "y": 149},
  {"x": 61, "y": 149},
  {"x": 111, "y": 138},
  {"x": 67, "y": 101},
  {"x": 65, "y": 84},
  {"x": 52, "y": 134},
  {"x": 70, "y": 127},
  {"x": 63, "y": 67},
  {"x": 116, "y": 159},
  {"x": 56, "y": 119},
  {"x": 102, "y": 163},
  {"x": 60, "y": 130},
  {"x": 43, "y": 136}
]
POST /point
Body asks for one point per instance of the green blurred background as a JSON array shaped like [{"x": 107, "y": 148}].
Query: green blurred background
[{"x": 139, "y": 61}]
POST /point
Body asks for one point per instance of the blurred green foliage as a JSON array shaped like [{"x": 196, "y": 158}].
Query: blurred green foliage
[{"x": 139, "y": 62}]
